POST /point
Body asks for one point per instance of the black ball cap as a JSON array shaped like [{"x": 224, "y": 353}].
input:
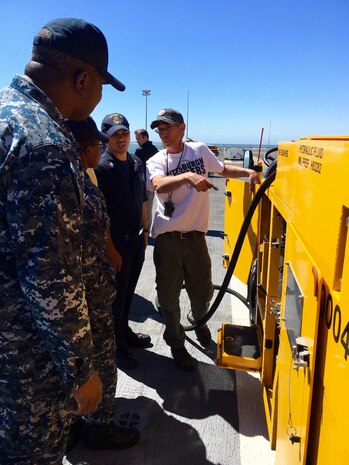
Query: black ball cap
[
  {"x": 169, "y": 116},
  {"x": 82, "y": 40},
  {"x": 113, "y": 122},
  {"x": 86, "y": 129}
]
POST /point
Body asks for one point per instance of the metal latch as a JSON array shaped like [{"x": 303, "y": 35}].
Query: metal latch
[
  {"x": 302, "y": 360},
  {"x": 301, "y": 354}
]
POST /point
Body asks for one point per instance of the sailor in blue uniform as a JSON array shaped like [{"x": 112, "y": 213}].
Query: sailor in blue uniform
[{"x": 121, "y": 178}]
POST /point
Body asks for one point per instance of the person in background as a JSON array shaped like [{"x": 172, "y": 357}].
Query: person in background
[
  {"x": 121, "y": 178},
  {"x": 179, "y": 176},
  {"x": 46, "y": 350},
  {"x": 146, "y": 150},
  {"x": 98, "y": 428}
]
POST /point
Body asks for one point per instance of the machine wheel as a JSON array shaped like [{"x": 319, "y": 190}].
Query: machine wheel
[{"x": 268, "y": 157}]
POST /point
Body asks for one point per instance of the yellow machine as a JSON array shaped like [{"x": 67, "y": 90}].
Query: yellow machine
[{"x": 295, "y": 263}]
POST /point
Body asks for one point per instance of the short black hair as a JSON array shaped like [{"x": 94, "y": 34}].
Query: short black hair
[{"x": 143, "y": 132}]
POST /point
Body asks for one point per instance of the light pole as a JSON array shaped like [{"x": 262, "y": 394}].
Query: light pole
[
  {"x": 187, "y": 114},
  {"x": 146, "y": 93}
]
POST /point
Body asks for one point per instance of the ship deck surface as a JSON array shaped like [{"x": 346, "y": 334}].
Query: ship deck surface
[{"x": 211, "y": 416}]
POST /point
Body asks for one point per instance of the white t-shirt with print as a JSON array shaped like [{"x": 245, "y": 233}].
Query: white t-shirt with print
[{"x": 191, "y": 208}]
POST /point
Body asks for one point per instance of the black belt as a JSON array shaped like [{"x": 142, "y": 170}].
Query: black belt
[{"x": 184, "y": 235}]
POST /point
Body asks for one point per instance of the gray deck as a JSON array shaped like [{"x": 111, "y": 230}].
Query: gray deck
[{"x": 210, "y": 416}]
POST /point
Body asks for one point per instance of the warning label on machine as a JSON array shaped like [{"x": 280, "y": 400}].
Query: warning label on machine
[{"x": 310, "y": 157}]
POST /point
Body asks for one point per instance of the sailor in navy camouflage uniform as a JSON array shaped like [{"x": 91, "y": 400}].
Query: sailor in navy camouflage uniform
[
  {"x": 46, "y": 350},
  {"x": 100, "y": 286}
]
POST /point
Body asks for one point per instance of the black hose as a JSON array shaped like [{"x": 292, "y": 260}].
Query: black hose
[
  {"x": 228, "y": 290},
  {"x": 236, "y": 294},
  {"x": 271, "y": 173}
]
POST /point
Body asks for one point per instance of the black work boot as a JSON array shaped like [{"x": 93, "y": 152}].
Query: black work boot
[
  {"x": 183, "y": 359},
  {"x": 111, "y": 436},
  {"x": 138, "y": 339},
  {"x": 76, "y": 432},
  {"x": 204, "y": 335},
  {"x": 125, "y": 360}
]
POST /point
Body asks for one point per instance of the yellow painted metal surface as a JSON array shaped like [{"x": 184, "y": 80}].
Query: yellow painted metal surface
[
  {"x": 300, "y": 238},
  {"x": 238, "y": 199},
  {"x": 296, "y": 381},
  {"x": 248, "y": 356},
  {"x": 312, "y": 184}
]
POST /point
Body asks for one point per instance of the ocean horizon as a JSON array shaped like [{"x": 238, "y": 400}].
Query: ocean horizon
[{"x": 224, "y": 147}]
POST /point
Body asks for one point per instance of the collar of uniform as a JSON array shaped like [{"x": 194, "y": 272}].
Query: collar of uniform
[
  {"x": 24, "y": 85},
  {"x": 108, "y": 156}
]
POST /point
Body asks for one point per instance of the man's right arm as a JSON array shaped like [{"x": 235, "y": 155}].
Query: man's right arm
[
  {"x": 114, "y": 256},
  {"x": 164, "y": 184},
  {"x": 88, "y": 396}
]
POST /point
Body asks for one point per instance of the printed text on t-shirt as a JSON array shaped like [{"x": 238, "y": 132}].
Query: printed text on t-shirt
[{"x": 195, "y": 166}]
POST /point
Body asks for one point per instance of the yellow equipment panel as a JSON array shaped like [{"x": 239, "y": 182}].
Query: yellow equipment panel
[
  {"x": 239, "y": 346},
  {"x": 298, "y": 243},
  {"x": 296, "y": 360},
  {"x": 238, "y": 199}
]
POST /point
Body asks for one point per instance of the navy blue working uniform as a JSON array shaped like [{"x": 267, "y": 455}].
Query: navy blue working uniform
[
  {"x": 99, "y": 279},
  {"x": 46, "y": 347},
  {"x": 123, "y": 185}
]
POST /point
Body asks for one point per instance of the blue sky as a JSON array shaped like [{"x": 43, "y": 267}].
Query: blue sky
[{"x": 247, "y": 64}]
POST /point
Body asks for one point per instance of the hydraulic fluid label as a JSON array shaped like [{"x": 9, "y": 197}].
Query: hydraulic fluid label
[{"x": 310, "y": 157}]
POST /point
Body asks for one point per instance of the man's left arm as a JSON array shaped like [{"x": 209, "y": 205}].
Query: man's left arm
[{"x": 232, "y": 171}]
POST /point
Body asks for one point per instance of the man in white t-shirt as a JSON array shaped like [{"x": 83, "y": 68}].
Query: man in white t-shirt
[{"x": 179, "y": 176}]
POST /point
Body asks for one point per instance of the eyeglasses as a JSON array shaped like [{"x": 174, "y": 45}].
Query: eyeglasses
[
  {"x": 100, "y": 145},
  {"x": 165, "y": 129}
]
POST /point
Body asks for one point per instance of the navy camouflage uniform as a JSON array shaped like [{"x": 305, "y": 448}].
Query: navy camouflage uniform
[
  {"x": 46, "y": 346},
  {"x": 100, "y": 283}
]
